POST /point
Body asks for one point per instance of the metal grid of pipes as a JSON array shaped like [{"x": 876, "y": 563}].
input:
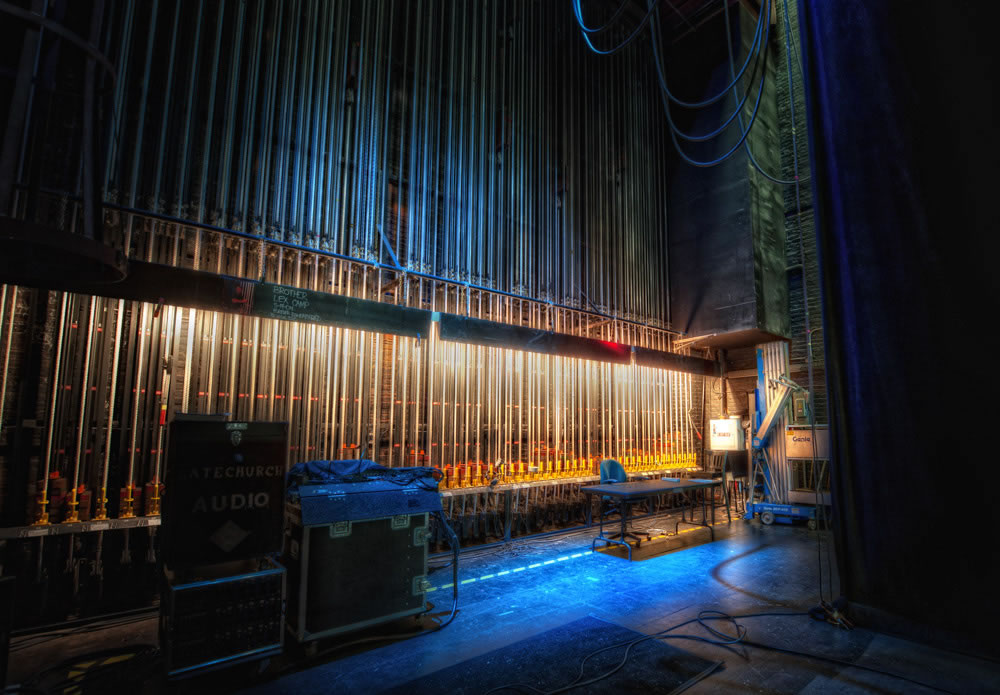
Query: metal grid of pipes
[
  {"x": 471, "y": 158},
  {"x": 116, "y": 371},
  {"x": 479, "y": 142},
  {"x": 467, "y": 158}
]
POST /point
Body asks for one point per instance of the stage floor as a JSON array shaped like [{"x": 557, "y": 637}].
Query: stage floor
[{"x": 511, "y": 593}]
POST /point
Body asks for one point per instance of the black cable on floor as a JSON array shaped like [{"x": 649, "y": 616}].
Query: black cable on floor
[
  {"x": 27, "y": 641},
  {"x": 723, "y": 640},
  {"x": 143, "y": 659},
  {"x": 145, "y": 611}
]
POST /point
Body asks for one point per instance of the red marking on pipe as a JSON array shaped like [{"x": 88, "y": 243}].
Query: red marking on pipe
[
  {"x": 68, "y": 388},
  {"x": 73, "y": 325},
  {"x": 221, "y": 394}
]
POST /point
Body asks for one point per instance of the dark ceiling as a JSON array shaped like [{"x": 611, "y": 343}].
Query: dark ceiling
[{"x": 677, "y": 17}]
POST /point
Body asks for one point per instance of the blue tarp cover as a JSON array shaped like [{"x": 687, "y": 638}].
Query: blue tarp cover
[{"x": 353, "y": 470}]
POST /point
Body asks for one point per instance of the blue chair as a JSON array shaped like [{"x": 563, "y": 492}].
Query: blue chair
[{"x": 613, "y": 472}]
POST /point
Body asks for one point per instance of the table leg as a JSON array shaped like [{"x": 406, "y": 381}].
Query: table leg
[
  {"x": 704, "y": 514},
  {"x": 508, "y": 514}
]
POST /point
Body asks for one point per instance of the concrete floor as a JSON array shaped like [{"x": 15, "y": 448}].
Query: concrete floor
[{"x": 513, "y": 593}]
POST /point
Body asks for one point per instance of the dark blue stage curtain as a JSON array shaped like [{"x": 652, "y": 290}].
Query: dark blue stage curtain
[{"x": 907, "y": 187}]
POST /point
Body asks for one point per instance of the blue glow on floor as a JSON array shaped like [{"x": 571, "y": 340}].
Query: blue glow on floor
[
  {"x": 502, "y": 573},
  {"x": 753, "y": 569}
]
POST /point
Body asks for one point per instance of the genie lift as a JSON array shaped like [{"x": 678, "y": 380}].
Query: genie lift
[{"x": 760, "y": 467}]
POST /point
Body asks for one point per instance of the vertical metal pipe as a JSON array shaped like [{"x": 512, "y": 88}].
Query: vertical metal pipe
[
  {"x": 133, "y": 186},
  {"x": 134, "y": 428},
  {"x": 7, "y": 319},
  {"x": 82, "y": 426},
  {"x": 102, "y": 499},
  {"x": 164, "y": 116},
  {"x": 43, "y": 516}
]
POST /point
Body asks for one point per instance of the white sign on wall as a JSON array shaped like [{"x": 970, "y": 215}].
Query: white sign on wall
[{"x": 726, "y": 435}]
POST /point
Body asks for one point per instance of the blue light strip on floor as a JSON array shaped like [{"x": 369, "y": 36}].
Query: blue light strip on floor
[{"x": 564, "y": 558}]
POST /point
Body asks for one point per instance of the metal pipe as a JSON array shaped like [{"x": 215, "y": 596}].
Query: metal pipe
[
  {"x": 82, "y": 426},
  {"x": 7, "y": 318},
  {"x": 43, "y": 515},
  {"x": 133, "y": 430},
  {"x": 136, "y": 154},
  {"x": 102, "y": 499}
]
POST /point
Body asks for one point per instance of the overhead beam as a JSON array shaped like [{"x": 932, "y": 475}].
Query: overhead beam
[
  {"x": 671, "y": 361},
  {"x": 152, "y": 282},
  {"x": 465, "y": 329},
  {"x": 183, "y": 287}
]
